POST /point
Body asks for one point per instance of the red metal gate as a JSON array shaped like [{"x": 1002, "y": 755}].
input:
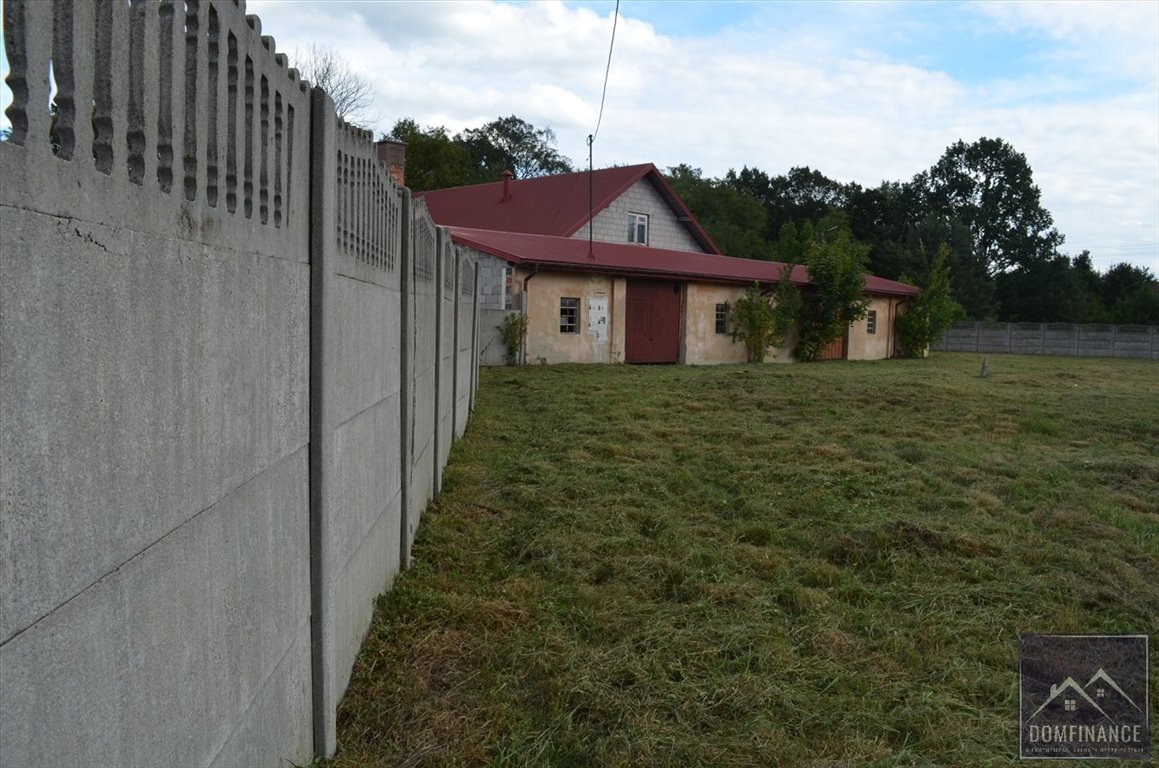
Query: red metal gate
[{"x": 652, "y": 325}]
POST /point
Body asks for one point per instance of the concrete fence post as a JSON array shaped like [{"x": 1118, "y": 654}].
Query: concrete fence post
[
  {"x": 1075, "y": 331},
  {"x": 323, "y": 199},
  {"x": 441, "y": 237},
  {"x": 475, "y": 338},
  {"x": 457, "y": 304},
  {"x": 406, "y": 356}
]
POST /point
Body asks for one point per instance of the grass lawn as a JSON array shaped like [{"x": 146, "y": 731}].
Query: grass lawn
[{"x": 804, "y": 565}]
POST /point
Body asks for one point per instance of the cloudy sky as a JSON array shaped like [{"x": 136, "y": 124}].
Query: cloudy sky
[
  {"x": 864, "y": 92},
  {"x": 860, "y": 91}
]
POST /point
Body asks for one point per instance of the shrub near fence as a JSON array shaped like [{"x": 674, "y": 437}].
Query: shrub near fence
[
  {"x": 1064, "y": 339},
  {"x": 233, "y": 358}
]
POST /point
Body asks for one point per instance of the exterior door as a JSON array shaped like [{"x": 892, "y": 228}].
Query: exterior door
[
  {"x": 836, "y": 349},
  {"x": 652, "y": 322}
]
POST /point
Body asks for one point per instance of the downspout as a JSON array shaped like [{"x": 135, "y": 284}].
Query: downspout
[{"x": 523, "y": 301}]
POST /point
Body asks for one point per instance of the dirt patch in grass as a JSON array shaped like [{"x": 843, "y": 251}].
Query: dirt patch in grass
[{"x": 809, "y": 565}]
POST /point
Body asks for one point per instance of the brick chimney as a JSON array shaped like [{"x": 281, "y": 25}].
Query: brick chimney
[
  {"x": 507, "y": 174},
  {"x": 392, "y": 154}
]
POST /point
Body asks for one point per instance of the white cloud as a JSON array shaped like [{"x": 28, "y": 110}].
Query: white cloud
[
  {"x": 1117, "y": 39},
  {"x": 848, "y": 89}
]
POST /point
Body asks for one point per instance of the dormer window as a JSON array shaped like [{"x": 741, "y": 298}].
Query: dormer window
[{"x": 638, "y": 228}]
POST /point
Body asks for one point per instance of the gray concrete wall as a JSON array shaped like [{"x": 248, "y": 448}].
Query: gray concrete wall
[
  {"x": 423, "y": 324},
  {"x": 356, "y": 331},
  {"x": 1065, "y": 339},
  {"x": 203, "y": 355},
  {"x": 465, "y": 328},
  {"x": 448, "y": 278},
  {"x": 154, "y": 587},
  {"x": 491, "y": 348}
]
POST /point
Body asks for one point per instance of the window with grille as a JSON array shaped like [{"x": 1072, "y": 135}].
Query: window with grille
[
  {"x": 871, "y": 322},
  {"x": 638, "y": 228},
  {"x": 568, "y": 315},
  {"x": 722, "y": 318}
]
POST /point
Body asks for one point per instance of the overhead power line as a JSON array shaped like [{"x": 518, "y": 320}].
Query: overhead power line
[
  {"x": 607, "y": 71},
  {"x": 592, "y": 136}
]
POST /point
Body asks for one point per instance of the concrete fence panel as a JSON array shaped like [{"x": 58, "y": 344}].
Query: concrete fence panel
[
  {"x": 1059, "y": 339},
  {"x": 1026, "y": 338},
  {"x": 154, "y": 593},
  {"x": 465, "y": 343},
  {"x": 1065, "y": 339},
  {"x": 356, "y": 470},
  {"x": 1136, "y": 341},
  {"x": 476, "y": 331},
  {"x": 1096, "y": 340},
  {"x": 422, "y": 329},
  {"x": 448, "y": 300},
  {"x": 232, "y": 363}
]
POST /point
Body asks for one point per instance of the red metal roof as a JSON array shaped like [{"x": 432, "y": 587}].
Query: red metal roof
[
  {"x": 551, "y": 205},
  {"x": 640, "y": 261}
]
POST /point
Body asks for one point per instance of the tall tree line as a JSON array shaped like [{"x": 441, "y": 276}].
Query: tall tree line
[
  {"x": 435, "y": 159},
  {"x": 978, "y": 202},
  {"x": 977, "y": 205}
]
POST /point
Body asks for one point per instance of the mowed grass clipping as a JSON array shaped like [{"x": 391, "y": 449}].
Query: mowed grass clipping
[{"x": 804, "y": 565}]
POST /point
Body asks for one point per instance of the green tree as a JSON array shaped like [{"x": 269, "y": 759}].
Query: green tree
[
  {"x": 792, "y": 242},
  {"x": 760, "y": 322},
  {"x": 433, "y": 159},
  {"x": 1087, "y": 303},
  {"x": 735, "y": 220},
  {"x": 990, "y": 187},
  {"x": 1131, "y": 295},
  {"x": 933, "y": 311},
  {"x": 799, "y": 196},
  {"x": 512, "y": 330},
  {"x": 1037, "y": 292},
  {"x": 836, "y": 297},
  {"x": 515, "y": 144},
  {"x": 972, "y": 286},
  {"x": 437, "y": 160}
]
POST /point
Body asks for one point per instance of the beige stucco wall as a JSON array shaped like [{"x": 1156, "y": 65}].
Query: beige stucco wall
[
  {"x": 878, "y": 346},
  {"x": 700, "y": 343},
  {"x": 664, "y": 231},
  {"x": 596, "y": 342}
]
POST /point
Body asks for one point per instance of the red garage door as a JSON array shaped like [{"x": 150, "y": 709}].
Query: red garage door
[{"x": 652, "y": 332}]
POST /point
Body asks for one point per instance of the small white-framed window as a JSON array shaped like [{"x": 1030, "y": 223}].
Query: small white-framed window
[
  {"x": 638, "y": 228},
  {"x": 871, "y": 322}
]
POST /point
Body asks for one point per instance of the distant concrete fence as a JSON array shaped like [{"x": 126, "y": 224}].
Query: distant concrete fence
[
  {"x": 1066, "y": 339},
  {"x": 233, "y": 359}
]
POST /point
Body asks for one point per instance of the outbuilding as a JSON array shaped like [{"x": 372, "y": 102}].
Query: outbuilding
[{"x": 630, "y": 276}]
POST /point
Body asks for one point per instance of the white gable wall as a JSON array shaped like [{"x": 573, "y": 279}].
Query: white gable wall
[{"x": 664, "y": 231}]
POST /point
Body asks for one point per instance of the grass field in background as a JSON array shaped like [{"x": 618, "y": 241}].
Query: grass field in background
[{"x": 814, "y": 565}]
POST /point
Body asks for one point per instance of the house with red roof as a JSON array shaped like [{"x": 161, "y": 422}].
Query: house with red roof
[{"x": 611, "y": 267}]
